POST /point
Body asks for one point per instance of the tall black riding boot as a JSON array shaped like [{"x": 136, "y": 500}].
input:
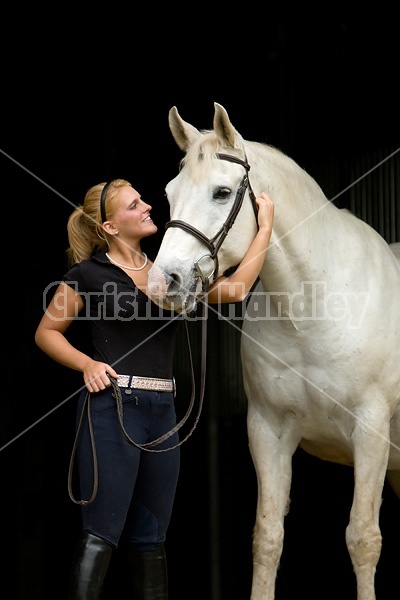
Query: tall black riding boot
[
  {"x": 148, "y": 574},
  {"x": 91, "y": 561}
]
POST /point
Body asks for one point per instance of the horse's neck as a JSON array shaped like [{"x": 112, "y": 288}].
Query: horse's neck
[
  {"x": 302, "y": 221},
  {"x": 326, "y": 246}
]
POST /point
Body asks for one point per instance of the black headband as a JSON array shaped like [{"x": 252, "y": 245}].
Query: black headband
[{"x": 103, "y": 202}]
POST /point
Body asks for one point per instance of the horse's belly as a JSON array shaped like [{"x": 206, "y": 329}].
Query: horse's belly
[
  {"x": 318, "y": 381},
  {"x": 335, "y": 451}
]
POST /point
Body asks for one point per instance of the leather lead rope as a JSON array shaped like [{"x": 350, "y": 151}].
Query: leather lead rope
[
  {"x": 86, "y": 405},
  {"x": 148, "y": 447},
  {"x": 213, "y": 245}
]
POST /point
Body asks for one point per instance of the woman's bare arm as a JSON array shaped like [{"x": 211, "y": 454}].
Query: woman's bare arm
[
  {"x": 50, "y": 337},
  {"x": 236, "y": 287}
]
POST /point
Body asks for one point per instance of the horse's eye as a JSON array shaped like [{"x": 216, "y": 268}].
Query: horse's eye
[{"x": 222, "y": 193}]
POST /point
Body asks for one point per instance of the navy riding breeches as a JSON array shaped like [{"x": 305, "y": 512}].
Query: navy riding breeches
[{"x": 136, "y": 488}]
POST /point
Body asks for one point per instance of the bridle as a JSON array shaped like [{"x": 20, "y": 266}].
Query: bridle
[{"x": 214, "y": 244}]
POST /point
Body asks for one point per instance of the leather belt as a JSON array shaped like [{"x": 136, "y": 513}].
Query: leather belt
[{"x": 154, "y": 384}]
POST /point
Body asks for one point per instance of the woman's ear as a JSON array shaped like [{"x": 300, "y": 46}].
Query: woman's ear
[{"x": 110, "y": 228}]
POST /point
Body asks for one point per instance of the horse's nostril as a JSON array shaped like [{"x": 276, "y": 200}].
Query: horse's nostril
[{"x": 175, "y": 284}]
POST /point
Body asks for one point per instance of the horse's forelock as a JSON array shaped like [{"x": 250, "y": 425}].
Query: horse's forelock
[{"x": 200, "y": 155}]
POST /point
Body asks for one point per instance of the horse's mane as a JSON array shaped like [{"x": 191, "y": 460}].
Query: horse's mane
[{"x": 202, "y": 151}]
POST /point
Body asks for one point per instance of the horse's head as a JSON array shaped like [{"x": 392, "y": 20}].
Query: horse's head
[{"x": 212, "y": 212}]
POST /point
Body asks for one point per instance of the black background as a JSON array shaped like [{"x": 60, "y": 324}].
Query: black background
[{"x": 87, "y": 99}]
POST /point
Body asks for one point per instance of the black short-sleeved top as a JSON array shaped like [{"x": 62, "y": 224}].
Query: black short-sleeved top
[{"x": 129, "y": 331}]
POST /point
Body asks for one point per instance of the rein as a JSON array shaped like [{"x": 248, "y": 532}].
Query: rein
[
  {"x": 148, "y": 447},
  {"x": 214, "y": 244}
]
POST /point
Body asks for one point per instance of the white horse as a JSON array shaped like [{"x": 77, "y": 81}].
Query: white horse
[{"x": 320, "y": 344}]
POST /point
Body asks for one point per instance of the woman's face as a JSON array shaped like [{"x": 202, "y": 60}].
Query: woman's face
[{"x": 132, "y": 217}]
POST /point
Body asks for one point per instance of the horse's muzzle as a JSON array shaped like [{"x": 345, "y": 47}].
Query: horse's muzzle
[{"x": 169, "y": 291}]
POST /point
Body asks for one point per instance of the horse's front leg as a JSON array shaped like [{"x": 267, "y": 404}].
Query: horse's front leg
[
  {"x": 363, "y": 536},
  {"x": 272, "y": 453}
]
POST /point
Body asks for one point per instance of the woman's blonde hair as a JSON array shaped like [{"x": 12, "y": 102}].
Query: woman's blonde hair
[{"x": 85, "y": 227}]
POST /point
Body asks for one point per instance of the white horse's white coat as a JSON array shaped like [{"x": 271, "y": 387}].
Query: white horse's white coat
[{"x": 321, "y": 339}]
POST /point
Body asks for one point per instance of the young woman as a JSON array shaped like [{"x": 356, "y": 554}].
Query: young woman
[{"x": 133, "y": 344}]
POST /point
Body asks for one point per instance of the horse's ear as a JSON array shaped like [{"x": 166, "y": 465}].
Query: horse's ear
[
  {"x": 183, "y": 133},
  {"x": 223, "y": 127}
]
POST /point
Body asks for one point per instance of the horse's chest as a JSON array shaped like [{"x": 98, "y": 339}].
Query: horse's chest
[{"x": 297, "y": 374}]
